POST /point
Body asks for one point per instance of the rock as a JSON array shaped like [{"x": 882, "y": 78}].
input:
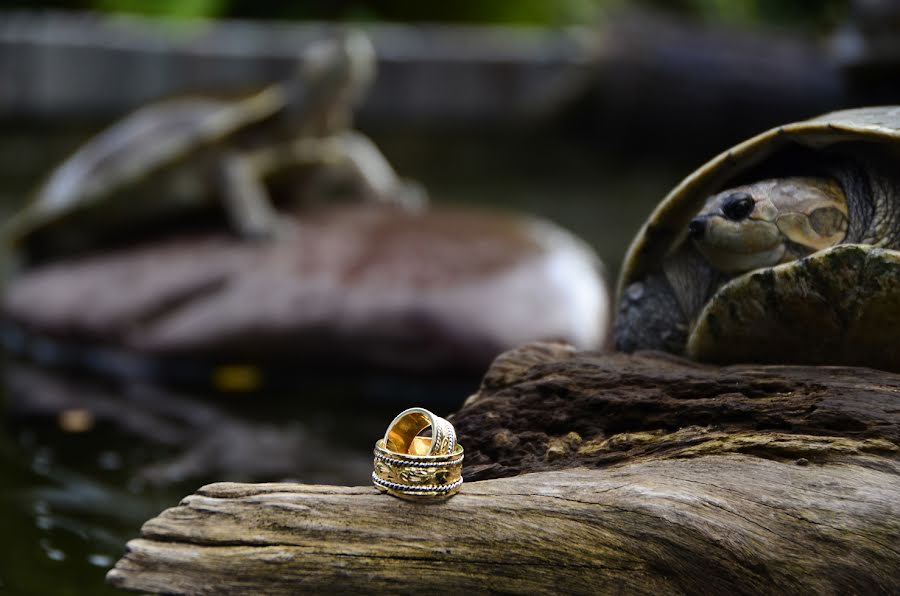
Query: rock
[{"x": 440, "y": 291}]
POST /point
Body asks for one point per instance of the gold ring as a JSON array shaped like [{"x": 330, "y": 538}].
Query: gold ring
[
  {"x": 416, "y": 467},
  {"x": 404, "y": 434}
]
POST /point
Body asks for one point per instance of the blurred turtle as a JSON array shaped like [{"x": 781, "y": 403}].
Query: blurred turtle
[
  {"x": 192, "y": 152},
  {"x": 786, "y": 248}
]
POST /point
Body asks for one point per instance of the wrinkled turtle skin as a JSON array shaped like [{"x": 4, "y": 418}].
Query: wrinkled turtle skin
[
  {"x": 185, "y": 153},
  {"x": 783, "y": 249}
]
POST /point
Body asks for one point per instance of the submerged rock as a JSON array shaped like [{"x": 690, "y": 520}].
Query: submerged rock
[{"x": 439, "y": 291}]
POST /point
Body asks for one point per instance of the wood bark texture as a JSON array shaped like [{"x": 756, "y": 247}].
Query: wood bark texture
[{"x": 587, "y": 473}]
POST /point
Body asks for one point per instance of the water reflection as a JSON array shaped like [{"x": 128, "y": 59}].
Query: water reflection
[{"x": 85, "y": 463}]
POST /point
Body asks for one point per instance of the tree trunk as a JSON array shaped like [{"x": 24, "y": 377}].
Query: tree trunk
[{"x": 602, "y": 473}]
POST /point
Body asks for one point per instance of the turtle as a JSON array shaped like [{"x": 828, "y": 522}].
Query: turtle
[
  {"x": 191, "y": 152},
  {"x": 783, "y": 249}
]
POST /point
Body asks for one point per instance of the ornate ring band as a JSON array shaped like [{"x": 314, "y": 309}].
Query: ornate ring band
[
  {"x": 412, "y": 465},
  {"x": 417, "y": 477},
  {"x": 404, "y": 434}
]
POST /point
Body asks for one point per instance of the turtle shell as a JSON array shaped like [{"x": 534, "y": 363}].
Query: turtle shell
[
  {"x": 147, "y": 145},
  {"x": 165, "y": 156},
  {"x": 786, "y": 315},
  {"x": 840, "y": 305}
]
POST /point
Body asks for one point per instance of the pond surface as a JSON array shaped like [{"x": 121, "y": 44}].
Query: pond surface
[{"x": 84, "y": 463}]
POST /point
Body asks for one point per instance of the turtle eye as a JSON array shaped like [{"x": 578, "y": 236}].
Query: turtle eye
[{"x": 738, "y": 206}]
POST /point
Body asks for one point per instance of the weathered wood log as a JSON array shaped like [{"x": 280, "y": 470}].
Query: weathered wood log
[
  {"x": 652, "y": 475},
  {"x": 546, "y": 406}
]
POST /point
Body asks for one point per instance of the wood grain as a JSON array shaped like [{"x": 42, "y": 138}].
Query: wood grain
[{"x": 609, "y": 474}]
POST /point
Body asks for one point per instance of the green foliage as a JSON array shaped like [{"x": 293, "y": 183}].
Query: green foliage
[
  {"x": 803, "y": 13},
  {"x": 520, "y": 12},
  {"x": 167, "y": 8}
]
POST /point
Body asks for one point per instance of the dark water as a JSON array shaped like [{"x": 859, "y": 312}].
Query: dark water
[{"x": 84, "y": 463}]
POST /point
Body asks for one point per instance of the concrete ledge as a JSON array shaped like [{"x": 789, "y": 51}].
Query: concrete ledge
[{"x": 63, "y": 64}]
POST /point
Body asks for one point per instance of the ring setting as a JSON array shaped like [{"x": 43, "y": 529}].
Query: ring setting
[{"x": 412, "y": 465}]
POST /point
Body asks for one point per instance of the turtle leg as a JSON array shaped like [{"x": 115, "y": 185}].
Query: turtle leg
[
  {"x": 246, "y": 199},
  {"x": 371, "y": 172},
  {"x": 353, "y": 155},
  {"x": 656, "y": 312},
  {"x": 650, "y": 317}
]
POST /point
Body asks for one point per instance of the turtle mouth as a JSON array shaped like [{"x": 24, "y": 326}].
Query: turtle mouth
[{"x": 735, "y": 247}]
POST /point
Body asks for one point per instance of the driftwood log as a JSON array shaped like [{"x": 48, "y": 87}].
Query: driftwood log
[{"x": 586, "y": 473}]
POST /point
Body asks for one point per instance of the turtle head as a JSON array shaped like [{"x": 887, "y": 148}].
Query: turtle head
[
  {"x": 344, "y": 65},
  {"x": 331, "y": 79},
  {"x": 337, "y": 71},
  {"x": 769, "y": 222}
]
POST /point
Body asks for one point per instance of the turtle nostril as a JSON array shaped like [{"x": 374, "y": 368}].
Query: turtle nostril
[{"x": 697, "y": 227}]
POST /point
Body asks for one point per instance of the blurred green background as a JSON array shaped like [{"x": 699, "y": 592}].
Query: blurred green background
[{"x": 806, "y": 14}]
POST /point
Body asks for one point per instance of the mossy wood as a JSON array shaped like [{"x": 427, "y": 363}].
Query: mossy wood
[{"x": 586, "y": 473}]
